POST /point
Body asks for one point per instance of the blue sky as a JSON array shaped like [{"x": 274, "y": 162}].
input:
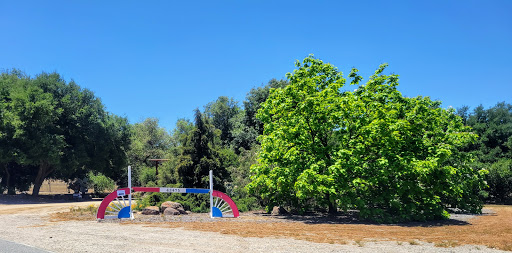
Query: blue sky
[{"x": 163, "y": 59}]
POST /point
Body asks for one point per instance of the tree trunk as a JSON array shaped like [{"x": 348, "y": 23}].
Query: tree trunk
[
  {"x": 44, "y": 170},
  {"x": 10, "y": 188},
  {"x": 333, "y": 209}
]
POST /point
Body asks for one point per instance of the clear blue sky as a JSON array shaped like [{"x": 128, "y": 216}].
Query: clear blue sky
[{"x": 163, "y": 59}]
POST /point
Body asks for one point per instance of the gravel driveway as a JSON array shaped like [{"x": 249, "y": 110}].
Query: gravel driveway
[{"x": 30, "y": 224}]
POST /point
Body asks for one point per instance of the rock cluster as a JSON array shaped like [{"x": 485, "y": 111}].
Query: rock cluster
[
  {"x": 167, "y": 208},
  {"x": 151, "y": 210},
  {"x": 278, "y": 210}
]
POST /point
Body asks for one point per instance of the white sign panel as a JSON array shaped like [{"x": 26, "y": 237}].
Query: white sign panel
[
  {"x": 121, "y": 193},
  {"x": 173, "y": 190}
]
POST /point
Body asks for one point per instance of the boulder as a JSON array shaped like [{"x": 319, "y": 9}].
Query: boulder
[
  {"x": 182, "y": 210},
  {"x": 277, "y": 210},
  {"x": 171, "y": 211},
  {"x": 151, "y": 210},
  {"x": 171, "y": 204}
]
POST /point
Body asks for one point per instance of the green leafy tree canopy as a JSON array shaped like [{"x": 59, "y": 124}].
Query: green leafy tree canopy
[
  {"x": 57, "y": 129},
  {"x": 390, "y": 157}
]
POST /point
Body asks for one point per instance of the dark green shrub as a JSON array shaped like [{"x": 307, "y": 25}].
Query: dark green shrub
[
  {"x": 247, "y": 204},
  {"x": 101, "y": 183},
  {"x": 152, "y": 199},
  {"x": 499, "y": 180},
  {"x": 147, "y": 177}
]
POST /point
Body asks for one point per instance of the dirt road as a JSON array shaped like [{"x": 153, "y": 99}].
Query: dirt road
[{"x": 42, "y": 208}]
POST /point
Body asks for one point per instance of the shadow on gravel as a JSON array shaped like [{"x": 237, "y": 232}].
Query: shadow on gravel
[
  {"x": 25, "y": 199},
  {"x": 351, "y": 218}
]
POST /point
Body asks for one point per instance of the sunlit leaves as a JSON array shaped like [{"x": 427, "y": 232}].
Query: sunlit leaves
[{"x": 393, "y": 158}]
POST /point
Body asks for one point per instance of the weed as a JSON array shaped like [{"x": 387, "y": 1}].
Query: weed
[
  {"x": 90, "y": 209},
  {"x": 447, "y": 244},
  {"x": 414, "y": 242}
]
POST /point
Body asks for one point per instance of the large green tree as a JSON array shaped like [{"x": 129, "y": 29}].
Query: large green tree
[
  {"x": 493, "y": 148},
  {"x": 60, "y": 129},
  {"x": 494, "y": 128},
  {"x": 223, "y": 114},
  {"x": 246, "y": 127},
  {"x": 149, "y": 141},
  {"x": 14, "y": 176},
  {"x": 199, "y": 155},
  {"x": 179, "y": 135},
  {"x": 253, "y": 101},
  {"x": 31, "y": 113},
  {"x": 372, "y": 149}
]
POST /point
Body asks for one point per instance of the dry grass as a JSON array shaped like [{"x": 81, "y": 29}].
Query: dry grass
[
  {"x": 494, "y": 230},
  {"x": 76, "y": 213},
  {"x": 51, "y": 187}
]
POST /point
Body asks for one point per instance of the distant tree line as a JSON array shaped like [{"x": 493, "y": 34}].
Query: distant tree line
[{"x": 493, "y": 147}]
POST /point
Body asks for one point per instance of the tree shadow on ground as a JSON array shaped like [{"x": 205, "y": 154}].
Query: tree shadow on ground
[
  {"x": 25, "y": 199},
  {"x": 351, "y": 217}
]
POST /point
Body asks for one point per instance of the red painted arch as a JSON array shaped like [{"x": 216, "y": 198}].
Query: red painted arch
[
  {"x": 106, "y": 201},
  {"x": 228, "y": 200}
]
